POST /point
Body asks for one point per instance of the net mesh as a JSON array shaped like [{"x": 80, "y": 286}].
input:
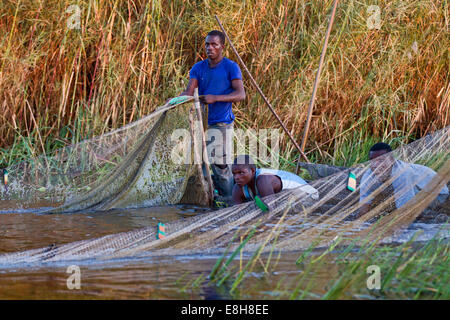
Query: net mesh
[
  {"x": 294, "y": 222},
  {"x": 129, "y": 167}
]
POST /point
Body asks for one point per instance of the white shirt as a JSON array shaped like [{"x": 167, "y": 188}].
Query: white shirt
[{"x": 411, "y": 178}]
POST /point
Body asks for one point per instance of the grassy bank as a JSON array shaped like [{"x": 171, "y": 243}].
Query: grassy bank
[
  {"x": 412, "y": 270},
  {"x": 60, "y": 84}
]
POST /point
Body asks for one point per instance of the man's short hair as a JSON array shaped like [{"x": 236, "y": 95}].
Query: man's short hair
[
  {"x": 380, "y": 146},
  {"x": 245, "y": 160},
  {"x": 219, "y": 34}
]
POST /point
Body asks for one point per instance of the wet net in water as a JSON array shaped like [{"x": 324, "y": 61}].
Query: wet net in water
[
  {"x": 295, "y": 219},
  {"x": 141, "y": 164}
]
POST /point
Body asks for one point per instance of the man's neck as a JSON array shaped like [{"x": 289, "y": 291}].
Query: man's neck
[
  {"x": 251, "y": 185},
  {"x": 215, "y": 62}
]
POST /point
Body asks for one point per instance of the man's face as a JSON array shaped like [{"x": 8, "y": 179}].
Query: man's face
[
  {"x": 242, "y": 174},
  {"x": 381, "y": 164},
  {"x": 213, "y": 47}
]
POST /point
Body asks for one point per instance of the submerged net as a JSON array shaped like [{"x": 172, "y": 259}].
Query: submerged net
[
  {"x": 141, "y": 164},
  {"x": 296, "y": 219}
]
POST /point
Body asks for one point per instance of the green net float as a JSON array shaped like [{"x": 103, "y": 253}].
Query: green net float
[
  {"x": 160, "y": 231},
  {"x": 178, "y": 100},
  {"x": 261, "y": 204},
  {"x": 351, "y": 183}
]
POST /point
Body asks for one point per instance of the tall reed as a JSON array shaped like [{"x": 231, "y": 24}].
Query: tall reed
[{"x": 59, "y": 85}]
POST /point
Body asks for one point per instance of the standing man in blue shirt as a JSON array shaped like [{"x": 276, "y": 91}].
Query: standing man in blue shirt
[{"x": 219, "y": 82}]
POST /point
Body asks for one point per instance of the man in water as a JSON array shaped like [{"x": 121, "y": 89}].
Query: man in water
[
  {"x": 219, "y": 82},
  {"x": 251, "y": 181},
  {"x": 408, "y": 178}
]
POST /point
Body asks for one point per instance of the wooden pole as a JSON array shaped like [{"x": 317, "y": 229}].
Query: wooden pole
[
  {"x": 316, "y": 82},
  {"x": 260, "y": 92},
  {"x": 204, "y": 150}
]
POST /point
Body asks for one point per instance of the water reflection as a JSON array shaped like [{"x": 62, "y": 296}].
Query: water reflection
[
  {"x": 23, "y": 231},
  {"x": 162, "y": 277}
]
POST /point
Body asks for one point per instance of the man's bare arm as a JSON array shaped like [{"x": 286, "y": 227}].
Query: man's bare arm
[
  {"x": 264, "y": 184},
  {"x": 237, "y": 95},
  {"x": 238, "y": 195},
  {"x": 192, "y": 84}
]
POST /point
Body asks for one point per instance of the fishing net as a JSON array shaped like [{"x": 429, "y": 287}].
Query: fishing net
[
  {"x": 296, "y": 218},
  {"x": 141, "y": 164}
]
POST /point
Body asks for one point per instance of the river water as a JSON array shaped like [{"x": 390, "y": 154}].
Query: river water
[
  {"x": 123, "y": 280},
  {"x": 170, "y": 277}
]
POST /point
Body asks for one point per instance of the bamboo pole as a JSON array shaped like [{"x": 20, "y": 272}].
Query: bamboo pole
[
  {"x": 204, "y": 150},
  {"x": 260, "y": 91},
  {"x": 316, "y": 82}
]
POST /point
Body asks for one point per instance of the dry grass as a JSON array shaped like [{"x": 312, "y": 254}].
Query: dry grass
[{"x": 60, "y": 85}]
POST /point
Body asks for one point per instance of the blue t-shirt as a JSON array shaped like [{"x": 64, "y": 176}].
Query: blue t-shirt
[{"x": 217, "y": 81}]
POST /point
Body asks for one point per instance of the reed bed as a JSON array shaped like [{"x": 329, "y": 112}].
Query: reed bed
[
  {"x": 412, "y": 270},
  {"x": 60, "y": 85}
]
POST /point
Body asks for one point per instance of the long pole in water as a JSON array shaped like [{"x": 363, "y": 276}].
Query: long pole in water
[
  {"x": 316, "y": 82},
  {"x": 260, "y": 91},
  {"x": 204, "y": 149}
]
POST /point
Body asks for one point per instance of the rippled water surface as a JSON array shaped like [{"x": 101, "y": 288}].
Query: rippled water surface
[
  {"x": 161, "y": 277},
  {"x": 130, "y": 278}
]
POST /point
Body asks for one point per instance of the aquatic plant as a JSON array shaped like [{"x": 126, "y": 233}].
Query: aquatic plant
[{"x": 61, "y": 82}]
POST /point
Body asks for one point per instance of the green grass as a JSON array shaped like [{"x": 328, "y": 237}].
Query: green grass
[
  {"x": 60, "y": 85},
  {"x": 408, "y": 271}
]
